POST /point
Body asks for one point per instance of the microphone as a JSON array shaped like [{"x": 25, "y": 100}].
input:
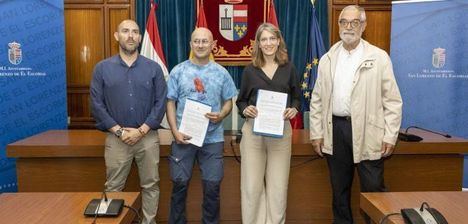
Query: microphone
[{"x": 434, "y": 132}]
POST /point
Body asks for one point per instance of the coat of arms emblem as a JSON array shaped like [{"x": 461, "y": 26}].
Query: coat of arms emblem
[
  {"x": 438, "y": 57},
  {"x": 233, "y": 20},
  {"x": 14, "y": 53}
]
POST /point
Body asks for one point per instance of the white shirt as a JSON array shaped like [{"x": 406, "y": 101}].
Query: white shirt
[{"x": 346, "y": 66}]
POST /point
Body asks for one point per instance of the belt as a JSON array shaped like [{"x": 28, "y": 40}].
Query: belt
[{"x": 347, "y": 118}]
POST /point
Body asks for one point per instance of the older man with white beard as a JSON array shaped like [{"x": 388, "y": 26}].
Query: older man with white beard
[{"x": 355, "y": 112}]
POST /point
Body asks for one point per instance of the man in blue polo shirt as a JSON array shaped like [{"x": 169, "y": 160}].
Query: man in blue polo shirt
[
  {"x": 208, "y": 82},
  {"x": 128, "y": 101}
]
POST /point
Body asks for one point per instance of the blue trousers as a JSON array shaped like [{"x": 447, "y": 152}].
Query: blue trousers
[{"x": 210, "y": 160}]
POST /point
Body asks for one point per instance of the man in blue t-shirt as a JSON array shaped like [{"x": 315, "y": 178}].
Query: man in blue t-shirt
[{"x": 208, "y": 82}]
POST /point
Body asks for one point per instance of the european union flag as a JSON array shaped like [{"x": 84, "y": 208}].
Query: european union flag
[{"x": 315, "y": 50}]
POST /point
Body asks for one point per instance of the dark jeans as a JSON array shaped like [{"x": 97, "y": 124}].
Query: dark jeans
[
  {"x": 341, "y": 167},
  {"x": 181, "y": 161}
]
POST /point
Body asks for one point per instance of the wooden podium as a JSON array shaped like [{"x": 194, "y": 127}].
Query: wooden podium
[{"x": 72, "y": 160}]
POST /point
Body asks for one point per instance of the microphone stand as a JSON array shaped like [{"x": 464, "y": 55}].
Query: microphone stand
[
  {"x": 103, "y": 195},
  {"x": 434, "y": 132}
]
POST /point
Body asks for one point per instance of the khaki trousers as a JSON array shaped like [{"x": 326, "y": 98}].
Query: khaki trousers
[
  {"x": 119, "y": 157},
  {"x": 264, "y": 176}
]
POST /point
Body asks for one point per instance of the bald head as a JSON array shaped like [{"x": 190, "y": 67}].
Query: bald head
[
  {"x": 201, "y": 44},
  {"x": 203, "y": 32}
]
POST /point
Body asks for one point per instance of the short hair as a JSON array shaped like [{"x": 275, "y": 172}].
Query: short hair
[
  {"x": 128, "y": 21},
  {"x": 362, "y": 12},
  {"x": 281, "y": 55}
]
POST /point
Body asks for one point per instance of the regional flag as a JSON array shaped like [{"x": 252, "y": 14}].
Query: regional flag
[
  {"x": 201, "y": 18},
  {"x": 201, "y": 22},
  {"x": 272, "y": 14}
]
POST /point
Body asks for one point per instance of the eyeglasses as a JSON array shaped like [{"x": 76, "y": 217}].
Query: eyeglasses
[
  {"x": 203, "y": 42},
  {"x": 271, "y": 39},
  {"x": 354, "y": 23}
]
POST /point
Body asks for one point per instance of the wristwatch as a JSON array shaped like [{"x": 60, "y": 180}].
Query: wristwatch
[{"x": 119, "y": 132}]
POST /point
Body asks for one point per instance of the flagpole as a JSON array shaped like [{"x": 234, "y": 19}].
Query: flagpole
[{"x": 234, "y": 122}]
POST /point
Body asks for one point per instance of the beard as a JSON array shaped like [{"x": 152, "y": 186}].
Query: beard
[
  {"x": 129, "y": 49},
  {"x": 349, "y": 38}
]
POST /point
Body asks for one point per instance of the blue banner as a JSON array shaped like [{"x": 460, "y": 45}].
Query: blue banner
[
  {"x": 32, "y": 75},
  {"x": 429, "y": 51}
]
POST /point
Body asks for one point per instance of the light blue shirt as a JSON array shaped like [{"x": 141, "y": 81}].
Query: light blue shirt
[{"x": 210, "y": 84}]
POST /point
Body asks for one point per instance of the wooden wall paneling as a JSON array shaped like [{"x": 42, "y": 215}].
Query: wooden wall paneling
[
  {"x": 89, "y": 25},
  {"x": 378, "y": 25},
  {"x": 375, "y": 2},
  {"x": 79, "y": 108},
  {"x": 83, "y": 1},
  {"x": 345, "y": 2},
  {"x": 84, "y": 48},
  {"x": 80, "y": 104},
  {"x": 116, "y": 15},
  {"x": 378, "y": 28},
  {"x": 84, "y": 45},
  {"x": 119, "y": 1},
  {"x": 334, "y": 28}
]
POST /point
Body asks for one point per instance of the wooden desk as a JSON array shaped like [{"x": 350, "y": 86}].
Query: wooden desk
[
  {"x": 72, "y": 160},
  {"x": 51, "y": 208},
  {"x": 452, "y": 205}
]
